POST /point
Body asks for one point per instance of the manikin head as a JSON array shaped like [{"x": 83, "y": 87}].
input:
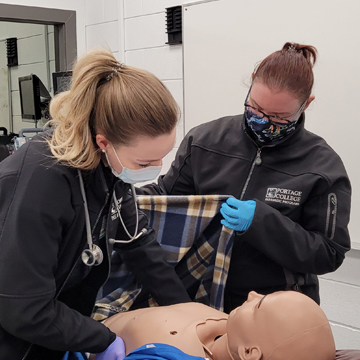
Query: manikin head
[{"x": 280, "y": 326}]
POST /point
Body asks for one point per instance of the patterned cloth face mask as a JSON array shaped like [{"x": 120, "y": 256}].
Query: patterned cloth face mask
[
  {"x": 265, "y": 131},
  {"x": 267, "y": 128}
]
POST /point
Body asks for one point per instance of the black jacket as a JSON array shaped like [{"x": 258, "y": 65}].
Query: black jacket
[
  {"x": 302, "y": 195},
  {"x": 42, "y": 234}
]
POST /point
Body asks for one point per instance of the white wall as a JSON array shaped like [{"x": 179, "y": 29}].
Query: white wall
[{"x": 135, "y": 32}]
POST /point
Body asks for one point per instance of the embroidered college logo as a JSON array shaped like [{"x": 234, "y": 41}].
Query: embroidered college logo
[
  {"x": 114, "y": 211},
  {"x": 284, "y": 196}
]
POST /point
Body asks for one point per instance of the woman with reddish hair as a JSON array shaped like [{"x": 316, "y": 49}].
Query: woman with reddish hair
[{"x": 290, "y": 201}]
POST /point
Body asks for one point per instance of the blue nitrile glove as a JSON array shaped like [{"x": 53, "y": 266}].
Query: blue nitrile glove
[
  {"x": 115, "y": 351},
  {"x": 74, "y": 356},
  {"x": 238, "y": 214}
]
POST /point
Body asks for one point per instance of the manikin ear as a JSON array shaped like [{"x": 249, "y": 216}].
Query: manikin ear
[{"x": 249, "y": 353}]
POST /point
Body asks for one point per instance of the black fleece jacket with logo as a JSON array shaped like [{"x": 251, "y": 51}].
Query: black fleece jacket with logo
[
  {"x": 46, "y": 292},
  {"x": 302, "y": 195}
]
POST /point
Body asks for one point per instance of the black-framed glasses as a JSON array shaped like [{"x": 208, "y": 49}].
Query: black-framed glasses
[{"x": 276, "y": 120}]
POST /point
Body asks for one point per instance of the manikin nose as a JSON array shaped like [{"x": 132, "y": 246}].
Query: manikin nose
[{"x": 254, "y": 295}]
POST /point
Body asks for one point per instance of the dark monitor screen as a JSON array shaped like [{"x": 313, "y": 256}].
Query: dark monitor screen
[
  {"x": 28, "y": 97},
  {"x": 34, "y": 97},
  {"x": 61, "y": 81}
]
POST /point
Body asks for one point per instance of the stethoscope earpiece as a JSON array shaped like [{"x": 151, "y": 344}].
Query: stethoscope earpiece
[{"x": 141, "y": 233}]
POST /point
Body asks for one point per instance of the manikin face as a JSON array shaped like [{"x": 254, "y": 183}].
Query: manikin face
[
  {"x": 143, "y": 152},
  {"x": 246, "y": 318},
  {"x": 284, "y": 324}
]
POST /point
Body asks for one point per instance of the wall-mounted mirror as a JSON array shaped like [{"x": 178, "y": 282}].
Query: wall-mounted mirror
[{"x": 45, "y": 42}]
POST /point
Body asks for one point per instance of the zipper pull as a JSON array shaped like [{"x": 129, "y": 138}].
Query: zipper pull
[{"x": 258, "y": 160}]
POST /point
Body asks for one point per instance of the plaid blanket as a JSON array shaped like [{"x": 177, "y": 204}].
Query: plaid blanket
[{"x": 189, "y": 230}]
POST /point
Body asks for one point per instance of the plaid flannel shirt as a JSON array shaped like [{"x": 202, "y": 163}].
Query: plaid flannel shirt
[{"x": 189, "y": 230}]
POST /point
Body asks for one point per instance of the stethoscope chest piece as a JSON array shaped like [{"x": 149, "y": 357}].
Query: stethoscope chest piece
[{"x": 92, "y": 257}]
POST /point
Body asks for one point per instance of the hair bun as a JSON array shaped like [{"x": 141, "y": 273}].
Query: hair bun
[{"x": 309, "y": 52}]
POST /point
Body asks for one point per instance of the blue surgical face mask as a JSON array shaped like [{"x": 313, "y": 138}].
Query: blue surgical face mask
[
  {"x": 265, "y": 131},
  {"x": 131, "y": 176}
]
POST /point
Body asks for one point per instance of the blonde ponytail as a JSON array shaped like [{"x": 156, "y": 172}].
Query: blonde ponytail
[{"x": 105, "y": 97}]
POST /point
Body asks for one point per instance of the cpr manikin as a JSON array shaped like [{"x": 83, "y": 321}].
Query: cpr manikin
[{"x": 280, "y": 326}]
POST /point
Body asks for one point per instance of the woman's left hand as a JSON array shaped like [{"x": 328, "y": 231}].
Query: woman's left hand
[{"x": 115, "y": 351}]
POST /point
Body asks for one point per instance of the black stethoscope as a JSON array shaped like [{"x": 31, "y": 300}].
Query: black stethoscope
[{"x": 93, "y": 256}]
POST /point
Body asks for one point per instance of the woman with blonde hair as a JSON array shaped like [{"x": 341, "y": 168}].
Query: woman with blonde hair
[{"x": 66, "y": 205}]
